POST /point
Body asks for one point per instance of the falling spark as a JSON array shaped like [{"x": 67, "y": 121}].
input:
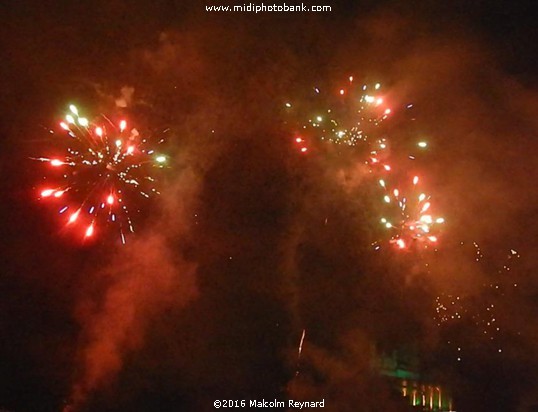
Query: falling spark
[
  {"x": 301, "y": 343},
  {"x": 300, "y": 351}
]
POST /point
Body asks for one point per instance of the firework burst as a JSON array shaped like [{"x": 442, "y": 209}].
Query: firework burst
[
  {"x": 102, "y": 176},
  {"x": 412, "y": 220},
  {"x": 353, "y": 116},
  {"x": 349, "y": 117}
]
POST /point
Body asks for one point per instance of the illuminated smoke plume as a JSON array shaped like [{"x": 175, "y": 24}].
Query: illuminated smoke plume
[{"x": 145, "y": 278}]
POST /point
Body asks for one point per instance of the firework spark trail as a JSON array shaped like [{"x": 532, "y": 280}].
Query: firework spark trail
[
  {"x": 300, "y": 351},
  {"x": 105, "y": 172},
  {"x": 353, "y": 119}
]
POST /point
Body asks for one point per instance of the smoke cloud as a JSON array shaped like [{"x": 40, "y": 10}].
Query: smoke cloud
[{"x": 252, "y": 242}]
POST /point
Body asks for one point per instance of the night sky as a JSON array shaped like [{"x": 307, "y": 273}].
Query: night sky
[{"x": 251, "y": 241}]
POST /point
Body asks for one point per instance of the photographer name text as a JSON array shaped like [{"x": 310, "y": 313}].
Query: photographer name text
[{"x": 263, "y": 403}]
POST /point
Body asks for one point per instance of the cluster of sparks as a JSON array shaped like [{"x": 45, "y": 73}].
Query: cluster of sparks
[
  {"x": 356, "y": 117},
  {"x": 353, "y": 119},
  {"x": 101, "y": 174},
  {"x": 483, "y": 311},
  {"x": 368, "y": 111},
  {"x": 414, "y": 221}
]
